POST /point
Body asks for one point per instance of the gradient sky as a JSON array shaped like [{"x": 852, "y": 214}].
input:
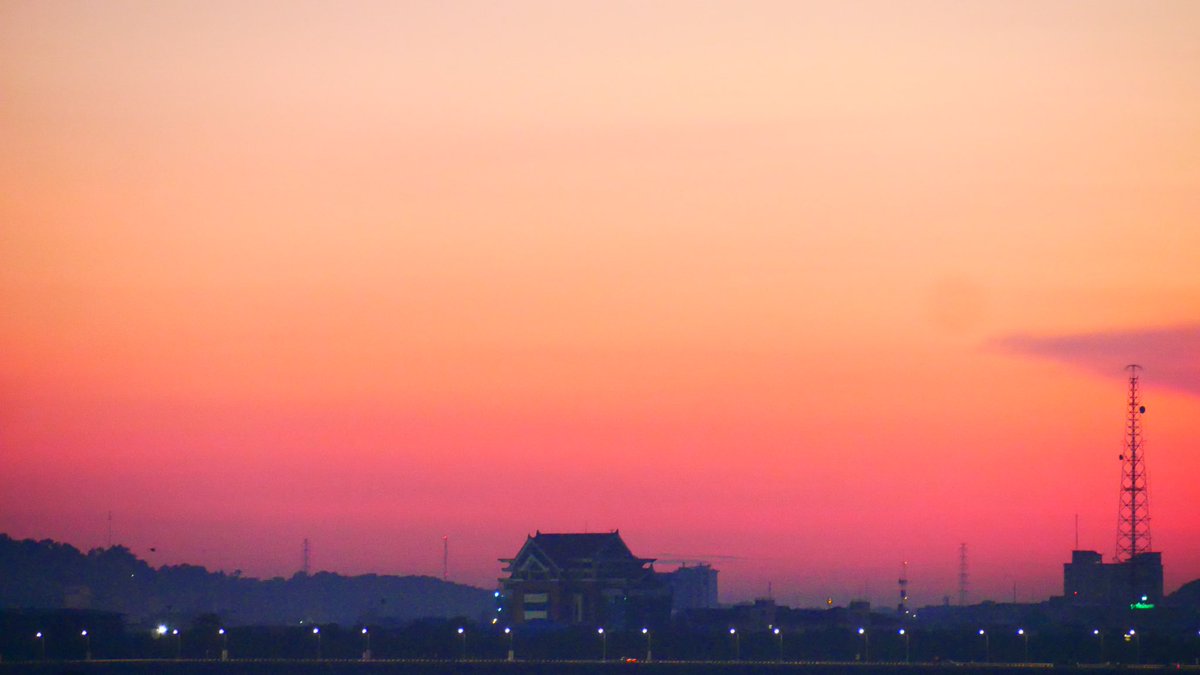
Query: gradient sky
[{"x": 806, "y": 289}]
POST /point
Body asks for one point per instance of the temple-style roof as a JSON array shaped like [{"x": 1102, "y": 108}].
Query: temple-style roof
[{"x": 565, "y": 551}]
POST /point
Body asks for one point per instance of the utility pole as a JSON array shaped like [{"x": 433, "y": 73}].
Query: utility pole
[{"x": 962, "y": 574}]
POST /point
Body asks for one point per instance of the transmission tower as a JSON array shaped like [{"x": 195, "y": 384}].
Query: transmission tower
[
  {"x": 962, "y": 575},
  {"x": 1133, "y": 520},
  {"x": 902, "y": 608},
  {"x": 304, "y": 566}
]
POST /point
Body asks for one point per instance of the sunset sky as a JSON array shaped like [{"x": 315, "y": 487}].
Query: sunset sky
[{"x": 807, "y": 289}]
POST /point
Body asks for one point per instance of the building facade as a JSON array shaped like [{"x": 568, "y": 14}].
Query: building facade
[
  {"x": 582, "y": 579},
  {"x": 693, "y": 587},
  {"x": 1088, "y": 580}
]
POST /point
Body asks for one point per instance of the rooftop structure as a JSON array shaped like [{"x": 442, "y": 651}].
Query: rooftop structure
[{"x": 589, "y": 579}]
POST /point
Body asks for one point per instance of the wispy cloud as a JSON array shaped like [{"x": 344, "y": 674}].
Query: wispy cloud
[{"x": 1170, "y": 355}]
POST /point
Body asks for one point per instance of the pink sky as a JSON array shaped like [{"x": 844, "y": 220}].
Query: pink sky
[{"x": 813, "y": 287}]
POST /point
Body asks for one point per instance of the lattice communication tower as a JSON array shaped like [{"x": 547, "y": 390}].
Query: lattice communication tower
[{"x": 1133, "y": 520}]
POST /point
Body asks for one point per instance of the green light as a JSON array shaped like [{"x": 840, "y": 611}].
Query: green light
[{"x": 1142, "y": 605}]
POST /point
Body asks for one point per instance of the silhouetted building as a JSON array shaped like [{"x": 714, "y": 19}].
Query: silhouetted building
[
  {"x": 588, "y": 579},
  {"x": 1088, "y": 580},
  {"x": 693, "y": 588}
]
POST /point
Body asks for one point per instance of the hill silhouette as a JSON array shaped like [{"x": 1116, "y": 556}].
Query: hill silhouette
[{"x": 51, "y": 575}]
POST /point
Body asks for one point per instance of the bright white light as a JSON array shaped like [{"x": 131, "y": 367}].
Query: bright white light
[
  {"x": 776, "y": 631},
  {"x": 862, "y": 631},
  {"x": 461, "y": 631},
  {"x": 1020, "y": 631},
  {"x": 83, "y": 633},
  {"x": 38, "y": 635},
  {"x": 1096, "y": 631},
  {"x": 982, "y": 632},
  {"x": 1132, "y": 631},
  {"x": 733, "y": 631},
  {"x": 316, "y": 631},
  {"x": 507, "y": 631},
  {"x": 175, "y": 632},
  {"x": 600, "y": 631},
  {"x": 161, "y": 630},
  {"x": 902, "y": 631},
  {"x": 220, "y": 631},
  {"x": 364, "y": 631},
  {"x": 645, "y": 630}
]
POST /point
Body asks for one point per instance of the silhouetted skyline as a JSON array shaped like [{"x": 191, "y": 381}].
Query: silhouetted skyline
[{"x": 816, "y": 287}]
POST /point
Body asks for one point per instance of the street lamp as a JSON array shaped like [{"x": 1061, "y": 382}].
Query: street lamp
[
  {"x": 737, "y": 645},
  {"x": 904, "y": 634},
  {"x": 42, "y": 643},
  {"x": 866, "y": 636},
  {"x": 649, "y": 645},
  {"x": 1137, "y": 641},
  {"x": 1098, "y": 634},
  {"x": 317, "y": 634},
  {"x": 779, "y": 636},
  {"x": 87, "y": 645},
  {"x": 366, "y": 655},
  {"x": 224, "y": 644},
  {"x": 462, "y": 639},
  {"x": 603, "y": 643},
  {"x": 178, "y": 643},
  {"x": 1023, "y": 634},
  {"x": 987, "y": 646},
  {"x": 509, "y": 633},
  {"x": 161, "y": 632}
]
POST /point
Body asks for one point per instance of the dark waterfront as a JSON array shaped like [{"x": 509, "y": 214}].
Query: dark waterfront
[{"x": 338, "y": 667}]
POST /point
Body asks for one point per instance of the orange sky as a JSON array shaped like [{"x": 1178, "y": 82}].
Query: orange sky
[{"x": 813, "y": 287}]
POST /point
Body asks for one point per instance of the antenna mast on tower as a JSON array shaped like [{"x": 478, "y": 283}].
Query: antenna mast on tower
[
  {"x": 445, "y": 557},
  {"x": 304, "y": 567},
  {"x": 1133, "y": 521},
  {"x": 902, "y": 608}
]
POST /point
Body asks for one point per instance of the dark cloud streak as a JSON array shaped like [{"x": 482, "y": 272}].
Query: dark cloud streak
[{"x": 1171, "y": 356}]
